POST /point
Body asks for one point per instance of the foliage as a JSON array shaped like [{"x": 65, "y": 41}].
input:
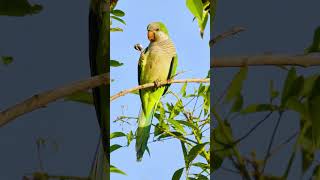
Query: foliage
[
  {"x": 315, "y": 46},
  {"x": 18, "y": 8},
  {"x": 200, "y": 9},
  {"x": 6, "y": 60},
  {"x": 299, "y": 94},
  {"x": 185, "y": 119}
]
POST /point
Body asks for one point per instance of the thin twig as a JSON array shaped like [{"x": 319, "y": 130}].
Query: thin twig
[
  {"x": 271, "y": 141},
  {"x": 253, "y": 128},
  {"x": 231, "y": 32},
  {"x": 277, "y": 148},
  {"x": 229, "y": 170}
]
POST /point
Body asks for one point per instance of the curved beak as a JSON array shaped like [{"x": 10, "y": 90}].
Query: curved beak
[{"x": 151, "y": 36}]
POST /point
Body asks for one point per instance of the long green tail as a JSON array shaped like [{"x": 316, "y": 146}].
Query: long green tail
[{"x": 143, "y": 132}]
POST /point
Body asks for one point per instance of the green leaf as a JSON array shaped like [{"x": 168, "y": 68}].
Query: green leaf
[
  {"x": 177, "y": 174},
  {"x": 117, "y": 12},
  {"x": 201, "y": 165},
  {"x": 237, "y": 105},
  {"x": 6, "y": 60},
  {"x": 305, "y": 140},
  {"x": 186, "y": 123},
  {"x": 18, "y": 8},
  {"x": 316, "y": 173},
  {"x": 206, "y": 103},
  {"x": 253, "y": 108},
  {"x": 81, "y": 96},
  {"x": 195, "y": 7},
  {"x": 183, "y": 90},
  {"x": 118, "y": 19},
  {"x": 236, "y": 84},
  {"x": 161, "y": 110},
  {"x": 195, "y": 151},
  {"x": 40, "y": 176},
  {"x": 185, "y": 153},
  {"x": 221, "y": 144},
  {"x": 113, "y": 4},
  {"x": 314, "y": 110},
  {"x": 176, "y": 109},
  {"x": 272, "y": 92},
  {"x": 201, "y": 89},
  {"x": 308, "y": 85},
  {"x": 116, "y": 29},
  {"x": 177, "y": 126},
  {"x": 297, "y": 86},
  {"x": 114, "y": 147},
  {"x": 115, "y": 63},
  {"x": 216, "y": 162},
  {"x": 286, "y": 91},
  {"x": 165, "y": 135},
  {"x": 117, "y": 134},
  {"x": 315, "y": 46},
  {"x": 129, "y": 137},
  {"x": 114, "y": 169},
  {"x": 203, "y": 23},
  {"x": 157, "y": 130},
  {"x": 307, "y": 159},
  {"x": 294, "y": 104}
]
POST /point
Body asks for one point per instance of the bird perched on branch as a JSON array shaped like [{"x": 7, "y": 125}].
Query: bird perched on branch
[{"x": 157, "y": 63}]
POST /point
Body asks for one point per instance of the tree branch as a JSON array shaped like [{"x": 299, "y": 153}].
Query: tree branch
[
  {"x": 231, "y": 32},
  {"x": 148, "y": 85},
  {"x": 42, "y": 99},
  {"x": 266, "y": 60}
]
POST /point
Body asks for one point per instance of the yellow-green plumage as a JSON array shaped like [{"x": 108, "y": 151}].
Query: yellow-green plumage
[{"x": 157, "y": 63}]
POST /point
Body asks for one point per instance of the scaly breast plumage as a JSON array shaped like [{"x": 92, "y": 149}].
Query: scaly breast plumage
[{"x": 157, "y": 67}]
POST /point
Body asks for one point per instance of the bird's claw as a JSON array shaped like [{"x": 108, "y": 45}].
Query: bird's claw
[
  {"x": 156, "y": 83},
  {"x": 138, "y": 47}
]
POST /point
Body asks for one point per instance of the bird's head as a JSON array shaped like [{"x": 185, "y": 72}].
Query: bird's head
[{"x": 157, "y": 32}]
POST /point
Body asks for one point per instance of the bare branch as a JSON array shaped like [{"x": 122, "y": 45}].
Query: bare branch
[
  {"x": 148, "y": 85},
  {"x": 231, "y": 32},
  {"x": 42, "y": 99},
  {"x": 266, "y": 60}
]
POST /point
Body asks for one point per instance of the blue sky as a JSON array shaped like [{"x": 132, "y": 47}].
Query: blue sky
[{"x": 193, "y": 53}]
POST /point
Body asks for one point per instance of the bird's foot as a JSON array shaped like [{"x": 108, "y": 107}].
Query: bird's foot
[
  {"x": 138, "y": 47},
  {"x": 157, "y": 83}
]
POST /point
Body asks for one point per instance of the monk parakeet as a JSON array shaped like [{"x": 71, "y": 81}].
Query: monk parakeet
[{"x": 157, "y": 62}]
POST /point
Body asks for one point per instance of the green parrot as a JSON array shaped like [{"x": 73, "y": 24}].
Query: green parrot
[{"x": 157, "y": 63}]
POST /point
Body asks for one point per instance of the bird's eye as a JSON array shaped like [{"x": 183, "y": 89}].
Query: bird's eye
[{"x": 157, "y": 29}]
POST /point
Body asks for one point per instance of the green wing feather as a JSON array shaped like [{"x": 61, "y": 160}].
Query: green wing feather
[
  {"x": 139, "y": 75},
  {"x": 172, "y": 72}
]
